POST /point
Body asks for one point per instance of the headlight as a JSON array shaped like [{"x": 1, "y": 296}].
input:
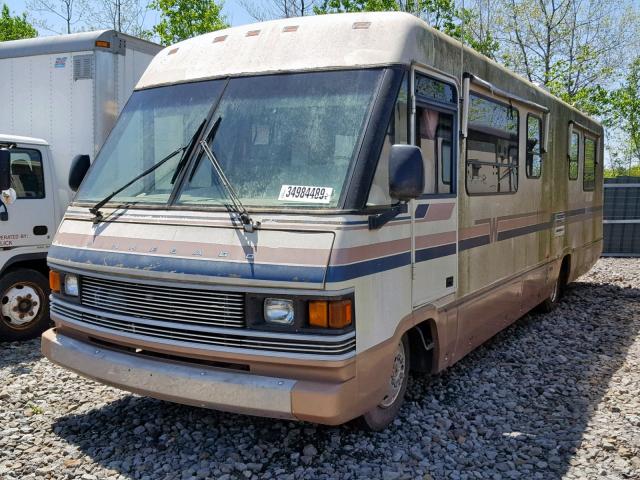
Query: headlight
[
  {"x": 71, "y": 285},
  {"x": 278, "y": 311}
]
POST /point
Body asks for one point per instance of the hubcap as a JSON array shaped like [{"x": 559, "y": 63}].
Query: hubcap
[
  {"x": 397, "y": 377},
  {"x": 20, "y": 305},
  {"x": 554, "y": 293}
]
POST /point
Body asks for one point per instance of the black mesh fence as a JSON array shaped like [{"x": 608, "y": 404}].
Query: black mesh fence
[{"x": 622, "y": 216}]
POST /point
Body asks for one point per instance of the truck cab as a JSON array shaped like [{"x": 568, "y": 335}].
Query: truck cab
[{"x": 29, "y": 213}]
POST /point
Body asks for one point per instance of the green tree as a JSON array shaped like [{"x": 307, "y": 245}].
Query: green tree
[
  {"x": 182, "y": 19},
  {"x": 440, "y": 14},
  {"x": 15, "y": 28},
  {"x": 624, "y": 115}
]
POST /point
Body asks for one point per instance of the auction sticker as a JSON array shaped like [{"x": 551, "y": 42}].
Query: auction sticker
[{"x": 307, "y": 194}]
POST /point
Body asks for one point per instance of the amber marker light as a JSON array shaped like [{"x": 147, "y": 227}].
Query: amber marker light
[
  {"x": 103, "y": 44},
  {"x": 318, "y": 314},
  {"x": 335, "y": 314},
  {"x": 54, "y": 281},
  {"x": 340, "y": 314}
]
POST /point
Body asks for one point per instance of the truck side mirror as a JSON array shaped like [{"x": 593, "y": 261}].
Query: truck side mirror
[
  {"x": 5, "y": 170},
  {"x": 406, "y": 172},
  {"x": 79, "y": 166}
]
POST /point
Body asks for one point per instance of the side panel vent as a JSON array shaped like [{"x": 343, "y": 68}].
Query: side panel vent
[{"x": 83, "y": 67}]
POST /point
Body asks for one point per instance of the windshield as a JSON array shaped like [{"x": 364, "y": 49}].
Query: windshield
[
  {"x": 153, "y": 124},
  {"x": 282, "y": 140}
]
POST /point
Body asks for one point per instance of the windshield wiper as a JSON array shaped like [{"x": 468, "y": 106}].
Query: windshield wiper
[
  {"x": 185, "y": 149},
  {"x": 236, "y": 205}
]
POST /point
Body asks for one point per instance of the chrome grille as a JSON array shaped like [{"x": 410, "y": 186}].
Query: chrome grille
[
  {"x": 153, "y": 302},
  {"x": 203, "y": 336}
]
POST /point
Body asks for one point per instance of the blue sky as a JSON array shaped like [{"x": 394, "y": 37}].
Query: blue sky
[{"x": 235, "y": 13}]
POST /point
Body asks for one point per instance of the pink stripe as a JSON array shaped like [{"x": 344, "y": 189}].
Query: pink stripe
[
  {"x": 477, "y": 231},
  {"x": 365, "y": 252},
  {"x": 210, "y": 251},
  {"x": 439, "y": 211},
  {"x": 435, "y": 239}
]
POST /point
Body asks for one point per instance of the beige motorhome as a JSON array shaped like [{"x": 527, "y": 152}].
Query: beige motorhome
[{"x": 291, "y": 216}]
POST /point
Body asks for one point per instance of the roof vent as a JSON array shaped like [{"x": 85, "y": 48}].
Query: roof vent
[
  {"x": 361, "y": 25},
  {"x": 83, "y": 67}
]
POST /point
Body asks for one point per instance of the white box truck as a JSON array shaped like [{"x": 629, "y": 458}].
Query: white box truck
[{"x": 59, "y": 98}]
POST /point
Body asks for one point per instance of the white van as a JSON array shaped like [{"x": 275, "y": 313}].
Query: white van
[
  {"x": 60, "y": 97},
  {"x": 291, "y": 216}
]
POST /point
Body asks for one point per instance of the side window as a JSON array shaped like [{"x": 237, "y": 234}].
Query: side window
[
  {"x": 492, "y": 147},
  {"x": 436, "y": 104},
  {"x": 534, "y": 143},
  {"x": 397, "y": 133},
  {"x": 574, "y": 155},
  {"x": 589, "y": 172},
  {"x": 27, "y": 177},
  {"x": 434, "y": 136}
]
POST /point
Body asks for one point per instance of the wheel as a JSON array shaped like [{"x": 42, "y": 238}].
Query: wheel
[
  {"x": 556, "y": 294},
  {"x": 24, "y": 302},
  {"x": 382, "y": 415}
]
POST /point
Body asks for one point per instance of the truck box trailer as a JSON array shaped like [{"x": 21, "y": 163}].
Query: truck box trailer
[{"x": 59, "y": 97}]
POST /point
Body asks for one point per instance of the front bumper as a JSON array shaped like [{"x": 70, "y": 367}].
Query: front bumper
[{"x": 221, "y": 389}]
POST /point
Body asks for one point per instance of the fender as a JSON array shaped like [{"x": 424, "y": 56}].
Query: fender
[{"x": 24, "y": 257}]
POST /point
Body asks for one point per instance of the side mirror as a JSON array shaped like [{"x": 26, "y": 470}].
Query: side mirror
[
  {"x": 406, "y": 172},
  {"x": 79, "y": 166},
  {"x": 5, "y": 170}
]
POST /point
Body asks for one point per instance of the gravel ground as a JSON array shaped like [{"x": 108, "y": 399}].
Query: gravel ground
[{"x": 553, "y": 396}]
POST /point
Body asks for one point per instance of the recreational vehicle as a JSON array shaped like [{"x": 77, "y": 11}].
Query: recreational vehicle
[{"x": 291, "y": 216}]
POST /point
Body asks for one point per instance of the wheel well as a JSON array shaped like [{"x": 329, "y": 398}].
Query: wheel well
[
  {"x": 565, "y": 270},
  {"x": 422, "y": 347},
  {"x": 38, "y": 264}
]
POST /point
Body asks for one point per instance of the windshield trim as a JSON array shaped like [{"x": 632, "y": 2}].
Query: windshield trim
[{"x": 352, "y": 171}]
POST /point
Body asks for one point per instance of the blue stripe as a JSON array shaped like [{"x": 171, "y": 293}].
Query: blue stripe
[
  {"x": 474, "y": 242},
  {"x": 253, "y": 271},
  {"x": 435, "y": 252},
  {"x": 339, "y": 273},
  {"x": 421, "y": 210}
]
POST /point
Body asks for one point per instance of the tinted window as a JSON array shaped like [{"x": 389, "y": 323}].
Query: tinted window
[
  {"x": 283, "y": 138},
  {"x": 431, "y": 89},
  {"x": 27, "y": 177},
  {"x": 492, "y": 147},
  {"x": 589, "y": 172},
  {"x": 574, "y": 154},
  {"x": 397, "y": 133},
  {"x": 534, "y": 142},
  {"x": 434, "y": 136}
]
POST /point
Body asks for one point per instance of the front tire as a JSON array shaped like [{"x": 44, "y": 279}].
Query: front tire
[
  {"x": 24, "y": 305},
  {"x": 386, "y": 411}
]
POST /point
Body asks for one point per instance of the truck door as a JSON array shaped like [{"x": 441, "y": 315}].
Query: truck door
[
  {"x": 30, "y": 219},
  {"x": 434, "y": 128}
]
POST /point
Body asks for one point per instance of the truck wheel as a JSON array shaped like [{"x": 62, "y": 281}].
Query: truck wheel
[
  {"x": 24, "y": 304},
  {"x": 381, "y": 416},
  {"x": 556, "y": 294}
]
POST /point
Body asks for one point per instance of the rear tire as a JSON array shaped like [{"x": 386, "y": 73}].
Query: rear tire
[
  {"x": 24, "y": 305},
  {"x": 386, "y": 411},
  {"x": 553, "y": 299}
]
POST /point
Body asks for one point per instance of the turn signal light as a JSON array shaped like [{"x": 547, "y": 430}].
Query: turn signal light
[
  {"x": 335, "y": 314},
  {"x": 54, "y": 281}
]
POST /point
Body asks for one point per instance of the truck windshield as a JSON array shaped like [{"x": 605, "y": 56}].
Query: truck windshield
[{"x": 282, "y": 140}]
